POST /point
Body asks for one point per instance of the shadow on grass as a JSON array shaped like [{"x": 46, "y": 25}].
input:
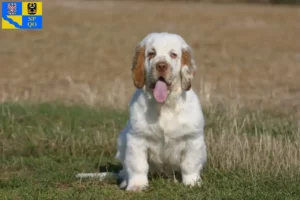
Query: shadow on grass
[
  {"x": 116, "y": 168},
  {"x": 110, "y": 167}
]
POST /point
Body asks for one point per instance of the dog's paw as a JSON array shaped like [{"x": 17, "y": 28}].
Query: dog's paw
[
  {"x": 123, "y": 184},
  {"x": 191, "y": 180},
  {"x": 137, "y": 183},
  {"x": 136, "y": 188}
]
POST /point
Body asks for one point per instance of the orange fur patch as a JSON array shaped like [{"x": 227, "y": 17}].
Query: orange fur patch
[
  {"x": 186, "y": 58},
  {"x": 138, "y": 68}
]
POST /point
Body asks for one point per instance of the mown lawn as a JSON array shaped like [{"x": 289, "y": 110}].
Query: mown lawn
[{"x": 43, "y": 146}]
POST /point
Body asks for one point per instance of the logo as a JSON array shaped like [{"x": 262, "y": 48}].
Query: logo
[
  {"x": 11, "y": 8},
  {"x": 31, "y": 8},
  {"x": 22, "y": 15}
]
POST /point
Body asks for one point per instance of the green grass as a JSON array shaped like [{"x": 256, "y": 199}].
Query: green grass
[{"x": 43, "y": 146}]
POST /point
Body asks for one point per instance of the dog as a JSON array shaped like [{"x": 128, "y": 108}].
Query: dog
[{"x": 165, "y": 130}]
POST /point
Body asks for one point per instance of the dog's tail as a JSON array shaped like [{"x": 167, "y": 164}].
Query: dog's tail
[{"x": 101, "y": 175}]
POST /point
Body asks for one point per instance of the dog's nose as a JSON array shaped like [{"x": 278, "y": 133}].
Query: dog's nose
[{"x": 161, "y": 66}]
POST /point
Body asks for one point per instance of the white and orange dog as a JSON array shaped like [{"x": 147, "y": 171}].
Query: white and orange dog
[{"x": 165, "y": 129}]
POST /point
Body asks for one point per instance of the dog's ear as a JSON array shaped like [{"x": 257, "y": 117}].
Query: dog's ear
[
  {"x": 188, "y": 68},
  {"x": 138, "y": 67}
]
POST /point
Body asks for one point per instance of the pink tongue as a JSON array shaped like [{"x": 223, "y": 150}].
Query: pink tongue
[{"x": 160, "y": 91}]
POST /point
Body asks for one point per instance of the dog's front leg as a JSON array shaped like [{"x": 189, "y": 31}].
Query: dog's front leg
[
  {"x": 136, "y": 164},
  {"x": 194, "y": 159}
]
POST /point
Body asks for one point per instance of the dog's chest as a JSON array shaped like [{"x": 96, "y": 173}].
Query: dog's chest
[
  {"x": 164, "y": 124},
  {"x": 166, "y": 152},
  {"x": 166, "y": 143}
]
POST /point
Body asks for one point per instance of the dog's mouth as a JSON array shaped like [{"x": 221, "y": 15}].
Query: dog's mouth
[
  {"x": 160, "y": 89},
  {"x": 162, "y": 79}
]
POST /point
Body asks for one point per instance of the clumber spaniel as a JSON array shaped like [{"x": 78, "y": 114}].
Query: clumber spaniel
[{"x": 165, "y": 128}]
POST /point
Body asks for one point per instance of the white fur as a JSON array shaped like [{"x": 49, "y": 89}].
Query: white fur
[{"x": 165, "y": 136}]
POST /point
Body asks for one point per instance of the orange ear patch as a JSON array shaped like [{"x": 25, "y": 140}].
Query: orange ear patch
[
  {"x": 187, "y": 69},
  {"x": 186, "y": 58},
  {"x": 138, "y": 68}
]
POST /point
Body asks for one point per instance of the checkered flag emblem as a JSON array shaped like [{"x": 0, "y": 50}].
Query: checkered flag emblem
[{"x": 12, "y": 8}]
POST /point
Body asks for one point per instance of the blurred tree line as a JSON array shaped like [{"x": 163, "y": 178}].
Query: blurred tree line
[
  {"x": 240, "y": 1},
  {"x": 285, "y": 1}
]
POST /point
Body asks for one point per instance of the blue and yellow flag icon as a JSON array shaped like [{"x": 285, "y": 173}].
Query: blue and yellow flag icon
[{"x": 22, "y": 15}]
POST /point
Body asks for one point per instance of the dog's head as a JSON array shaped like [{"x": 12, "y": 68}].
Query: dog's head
[{"x": 163, "y": 62}]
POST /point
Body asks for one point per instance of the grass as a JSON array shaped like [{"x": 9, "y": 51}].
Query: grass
[{"x": 43, "y": 146}]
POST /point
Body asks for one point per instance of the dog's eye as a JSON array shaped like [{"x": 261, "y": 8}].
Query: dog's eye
[
  {"x": 151, "y": 54},
  {"x": 173, "y": 55}
]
